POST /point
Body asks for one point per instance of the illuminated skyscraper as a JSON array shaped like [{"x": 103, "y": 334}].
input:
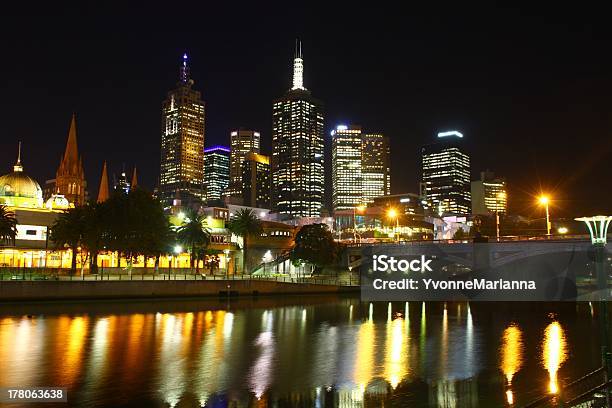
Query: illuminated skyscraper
[
  {"x": 375, "y": 166},
  {"x": 489, "y": 194},
  {"x": 242, "y": 142},
  {"x": 360, "y": 167},
  {"x": 446, "y": 175},
  {"x": 297, "y": 149},
  {"x": 182, "y": 142},
  {"x": 256, "y": 180},
  {"x": 216, "y": 172},
  {"x": 347, "y": 181}
]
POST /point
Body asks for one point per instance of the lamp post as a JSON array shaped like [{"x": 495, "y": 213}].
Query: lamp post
[
  {"x": 177, "y": 250},
  {"x": 392, "y": 213},
  {"x": 227, "y": 261},
  {"x": 500, "y": 196},
  {"x": 355, "y": 209},
  {"x": 544, "y": 200}
]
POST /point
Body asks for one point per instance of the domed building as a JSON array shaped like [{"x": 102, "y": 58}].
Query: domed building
[
  {"x": 22, "y": 195},
  {"x": 17, "y": 189}
]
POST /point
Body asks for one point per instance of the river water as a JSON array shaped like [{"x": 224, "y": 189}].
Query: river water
[{"x": 305, "y": 351}]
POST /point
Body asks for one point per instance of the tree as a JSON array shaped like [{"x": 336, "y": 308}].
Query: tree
[
  {"x": 193, "y": 235},
  {"x": 315, "y": 244},
  {"x": 245, "y": 224},
  {"x": 68, "y": 230},
  {"x": 8, "y": 225},
  {"x": 460, "y": 234}
]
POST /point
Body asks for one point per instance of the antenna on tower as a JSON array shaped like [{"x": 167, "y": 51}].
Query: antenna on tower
[
  {"x": 185, "y": 70},
  {"x": 18, "y": 166}
]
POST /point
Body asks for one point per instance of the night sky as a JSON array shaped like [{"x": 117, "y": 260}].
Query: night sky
[{"x": 530, "y": 89}]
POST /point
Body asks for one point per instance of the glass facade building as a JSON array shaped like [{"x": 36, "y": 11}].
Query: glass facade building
[
  {"x": 256, "y": 180},
  {"x": 298, "y": 176},
  {"x": 242, "y": 142},
  {"x": 216, "y": 172},
  {"x": 182, "y": 143},
  {"x": 489, "y": 194},
  {"x": 446, "y": 175},
  {"x": 360, "y": 167}
]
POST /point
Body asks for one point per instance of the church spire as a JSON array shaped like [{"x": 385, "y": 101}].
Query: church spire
[
  {"x": 298, "y": 67},
  {"x": 71, "y": 155},
  {"x": 103, "y": 194},
  {"x": 184, "y": 72},
  {"x": 134, "y": 178},
  {"x": 18, "y": 167}
]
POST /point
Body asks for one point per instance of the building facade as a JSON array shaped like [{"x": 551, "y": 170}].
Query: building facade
[
  {"x": 69, "y": 179},
  {"x": 446, "y": 175},
  {"x": 360, "y": 167},
  {"x": 216, "y": 172},
  {"x": 489, "y": 194},
  {"x": 182, "y": 142},
  {"x": 298, "y": 176},
  {"x": 347, "y": 187},
  {"x": 256, "y": 180},
  {"x": 242, "y": 142}
]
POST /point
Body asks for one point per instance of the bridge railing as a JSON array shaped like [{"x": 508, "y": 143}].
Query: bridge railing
[{"x": 490, "y": 240}]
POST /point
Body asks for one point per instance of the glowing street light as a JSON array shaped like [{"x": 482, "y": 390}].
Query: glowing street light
[
  {"x": 501, "y": 196},
  {"x": 178, "y": 249},
  {"x": 562, "y": 230},
  {"x": 392, "y": 213},
  {"x": 544, "y": 200}
]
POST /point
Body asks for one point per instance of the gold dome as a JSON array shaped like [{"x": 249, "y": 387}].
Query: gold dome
[{"x": 18, "y": 189}]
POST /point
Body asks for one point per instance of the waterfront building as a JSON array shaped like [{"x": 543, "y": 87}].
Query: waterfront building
[
  {"x": 69, "y": 180},
  {"x": 446, "y": 175},
  {"x": 256, "y": 180},
  {"x": 242, "y": 142},
  {"x": 360, "y": 167},
  {"x": 216, "y": 172},
  {"x": 182, "y": 143},
  {"x": 297, "y": 150},
  {"x": 405, "y": 203},
  {"x": 489, "y": 194}
]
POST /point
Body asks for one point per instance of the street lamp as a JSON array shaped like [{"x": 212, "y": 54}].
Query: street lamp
[
  {"x": 544, "y": 200},
  {"x": 359, "y": 208},
  {"x": 392, "y": 213},
  {"x": 501, "y": 196},
  {"x": 227, "y": 261}
]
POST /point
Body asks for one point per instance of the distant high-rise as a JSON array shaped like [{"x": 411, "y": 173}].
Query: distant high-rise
[
  {"x": 297, "y": 149},
  {"x": 347, "y": 181},
  {"x": 446, "y": 175},
  {"x": 70, "y": 177},
  {"x": 182, "y": 143},
  {"x": 489, "y": 194},
  {"x": 256, "y": 180},
  {"x": 375, "y": 166},
  {"x": 216, "y": 172},
  {"x": 121, "y": 183},
  {"x": 360, "y": 167},
  {"x": 242, "y": 142}
]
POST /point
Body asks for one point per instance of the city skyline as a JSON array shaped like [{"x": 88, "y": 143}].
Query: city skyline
[{"x": 546, "y": 113}]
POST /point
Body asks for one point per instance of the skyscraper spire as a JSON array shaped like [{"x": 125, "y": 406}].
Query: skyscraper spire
[
  {"x": 298, "y": 67},
  {"x": 103, "y": 193},
  {"x": 71, "y": 155},
  {"x": 184, "y": 76},
  {"x": 18, "y": 167}
]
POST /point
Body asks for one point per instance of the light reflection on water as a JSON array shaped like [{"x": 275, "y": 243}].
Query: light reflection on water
[{"x": 340, "y": 353}]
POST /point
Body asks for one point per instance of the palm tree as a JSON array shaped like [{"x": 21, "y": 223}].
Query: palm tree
[
  {"x": 193, "y": 235},
  {"x": 244, "y": 224},
  {"x": 8, "y": 225},
  {"x": 68, "y": 230}
]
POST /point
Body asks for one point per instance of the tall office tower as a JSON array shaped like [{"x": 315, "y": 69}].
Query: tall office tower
[
  {"x": 347, "y": 181},
  {"x": 256, "y": 180},
  {"x": 216, "y": 172},
  {"x": 297, "y": 149},
  {"x": 121, "y": 183},
  {"x": 489, "y": 194},
  {"x": 242, "y": 142},
  {"x": 360, "y": 167},
  {"x": 70, "y": 177},
  {"x": 182, "y": 143},
  {"x": 375, "y": 166},
  {"x": 446, "y": 175}
]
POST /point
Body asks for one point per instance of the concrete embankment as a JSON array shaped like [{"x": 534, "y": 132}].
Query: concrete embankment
[{"x": 67, "y": 290}]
